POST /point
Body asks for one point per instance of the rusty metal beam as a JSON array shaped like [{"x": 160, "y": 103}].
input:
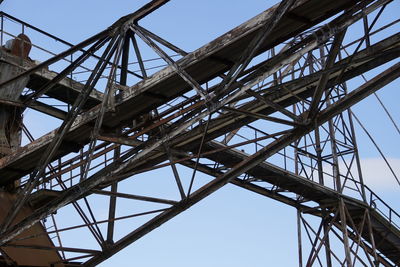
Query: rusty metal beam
[
  {"x": 255, "y": 44},
  {"x": 109, "y": 174},
  {"x": 109, "y": 32},
  {"x": 323, "y": 81},
  {"x": 250, "y": 162},
  {"x": 244, "y": 29}
]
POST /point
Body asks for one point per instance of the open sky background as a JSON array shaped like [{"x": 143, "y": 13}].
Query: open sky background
[{"x": 232, "y": 227}]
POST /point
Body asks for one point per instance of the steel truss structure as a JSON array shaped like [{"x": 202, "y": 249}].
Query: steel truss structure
[{"x": 275, "y": 87}]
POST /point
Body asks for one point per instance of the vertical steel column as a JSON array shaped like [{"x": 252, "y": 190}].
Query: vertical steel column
[
  {"x": 124, "y": 62},
  {"x": 299, "y": 239},
  {"x": 2, "y": 30},
  {"x": 336, "y": 175},
  {"x": 113, "y": 203}
]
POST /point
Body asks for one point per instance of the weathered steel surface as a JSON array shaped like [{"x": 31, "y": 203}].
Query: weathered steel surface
[
  {"x": 66, "y": 90},
  {"x": 28, "y": 256},
  {"x": 200, "y": 64},
  {"x": 10, "y": 115},
  {"x": 249, "y": 162},
  {"x": 243, "y": 166}
]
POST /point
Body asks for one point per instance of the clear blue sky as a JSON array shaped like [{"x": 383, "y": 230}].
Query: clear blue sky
[{"x": 232, "y": 227}]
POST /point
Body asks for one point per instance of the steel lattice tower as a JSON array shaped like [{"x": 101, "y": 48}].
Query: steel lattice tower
[{"x": 265, "y": 107}]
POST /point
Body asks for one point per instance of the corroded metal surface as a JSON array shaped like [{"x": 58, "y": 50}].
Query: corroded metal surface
[{"x": 173, "y": 117}]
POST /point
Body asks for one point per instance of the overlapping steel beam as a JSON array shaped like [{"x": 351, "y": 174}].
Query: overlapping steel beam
[
  {"x": 148, "y": 154},
  {"x": 363, "y": 61},
  {"x": 244, "y": 166}
]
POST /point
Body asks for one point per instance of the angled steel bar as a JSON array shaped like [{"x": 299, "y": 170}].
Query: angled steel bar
[
  {"x": 58, "y": 236},
  {"x": 95, "y": 223},
  {"x": 357, "y": 233},
  {"x": 184, "y": 156},
  {"x": 91, "y": 224},
  {"x": 260, "y": 116},
  {"x": 163, "y": 42},
  {"x": 372, "y": 238},
  {"x": 384, "y": 4},
  {"x": 313, "y": 252},
  {"x": 345, "y": 235},
  {"x": 8, "y": 259},
  {"x": 29, "y": 99},
  {"x": 322, "y": 241},
  {"x": 167, "y": 148},
  {"x": 40, "y": 169},
  {"x": 135, "y": 197},
  {"x": 274, "y": 105},
  {"x": 377, "y": 147},
  {"x": 245, "y": 184},
  {"x": 321, "y": 86},
  {"x": 138, "y": 54},
  {"x": 60, "y": 56},
  {"x": 105, "y": 105},
  {"x": 66, "y": 249},
  {"x": 72, "y": 259},
  {"x": 185, "y": 76},
  {"x": 255, "y": 44},
  {"x": 203, "y": 137}
]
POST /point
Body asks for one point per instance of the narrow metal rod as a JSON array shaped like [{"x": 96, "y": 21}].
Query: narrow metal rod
[
  {"x": 377, "y": 147},
  {"x": 90, "y": 224},
  {"x": 365, "y": 13},
  {"x": 39, "y": 171},
  {"x": 58, "y": 236},
  {"x": 60, "y": 248},
  {"x": 343, "y": 219},
  {"x": 124, "y": 63},
  {"x": 105, "y": 104},
  {"x": 322, "y": 82},
  {"x": 260, "y": 116},
  {"x": 45, "y": 88},
  {"x": 134, "y": 197},
  {"x": 75, "y": 204},
  {"x": 95, "y": 223},
  {"x": 138, "y": 54},
  {"x": 272, "y": 104},
  {"x": 56, "y": 58},
  {"x": 163, "y": 42},
  {"x": 255, "y": 44},
  {"x": 185, "y": 76},
  {"x": 198, "y": 154}
]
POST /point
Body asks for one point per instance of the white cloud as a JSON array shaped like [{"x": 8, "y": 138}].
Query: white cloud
[{"x": 377, "y": 174}]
